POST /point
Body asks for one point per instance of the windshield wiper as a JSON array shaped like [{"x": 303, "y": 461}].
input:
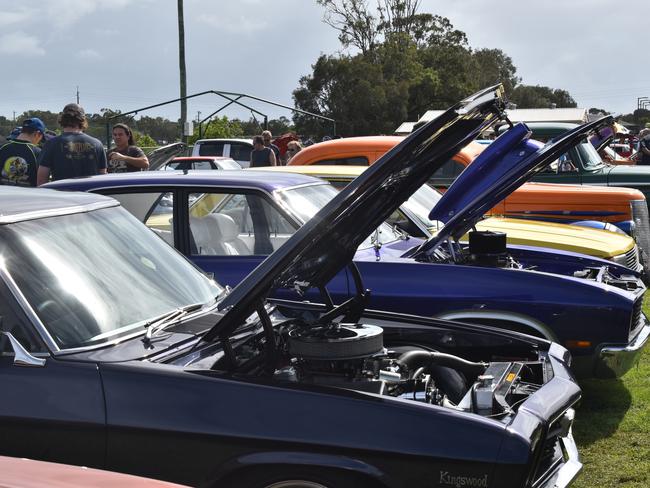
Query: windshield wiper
[{"x": 168, "y": 319}]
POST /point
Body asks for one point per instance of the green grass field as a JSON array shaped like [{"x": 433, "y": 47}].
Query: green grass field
[{"x": 612, "y": 429}]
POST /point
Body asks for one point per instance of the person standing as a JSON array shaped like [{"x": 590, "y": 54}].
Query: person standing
[
  {"x": 125, "y": 157},
  {"x": 267, "y": 136},
  {"x": 261, "y": 155},
  {"x": 644, "y": 147},
  {"x": 72, "y": 153},
  {"x": 19, "y": 156},
  {"x": 293, "y": 148}
]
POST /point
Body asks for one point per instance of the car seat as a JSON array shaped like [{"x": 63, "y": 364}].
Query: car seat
[{"x": 224, "y": 233}]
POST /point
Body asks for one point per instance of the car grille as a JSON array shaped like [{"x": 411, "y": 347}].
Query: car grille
[
  {"x": 550, "y": 460},
  {"x": 637, "y": 318},
  {"x": 642, "y": 229},
  {"x": 630, "y": 259}
]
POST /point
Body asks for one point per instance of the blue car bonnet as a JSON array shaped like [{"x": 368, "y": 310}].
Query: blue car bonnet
[{"x": 504, "y": 166}]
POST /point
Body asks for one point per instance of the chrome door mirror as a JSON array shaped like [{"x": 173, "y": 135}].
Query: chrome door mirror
[{"x": 22, "y": 357}]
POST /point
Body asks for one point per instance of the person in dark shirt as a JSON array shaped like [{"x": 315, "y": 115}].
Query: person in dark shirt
[
  {"x": 73, "y": 153},
  {"x": 267, "y": 136},
  {"x": 260, "y": 155},
  {"x": 125, "y": 157},
  {"x": 19, "y": 156}
]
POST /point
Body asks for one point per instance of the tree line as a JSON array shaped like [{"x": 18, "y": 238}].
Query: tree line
[{"x": 404, "y": 63}]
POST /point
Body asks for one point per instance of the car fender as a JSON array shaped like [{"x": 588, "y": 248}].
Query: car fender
[
  {"x": 530, "y": 325},
  {"x": 293, "y": 458}
]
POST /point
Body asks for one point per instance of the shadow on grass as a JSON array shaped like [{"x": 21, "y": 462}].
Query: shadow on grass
[{"x": 603, "y": 407}]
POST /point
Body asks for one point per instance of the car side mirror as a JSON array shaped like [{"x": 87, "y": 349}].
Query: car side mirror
[{"x": 22, "y": 357}]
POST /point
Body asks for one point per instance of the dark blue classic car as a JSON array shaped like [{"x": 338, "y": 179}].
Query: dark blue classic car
[
  {"x": 227, "y": 221},
  {"x": 118, "y": 353}
]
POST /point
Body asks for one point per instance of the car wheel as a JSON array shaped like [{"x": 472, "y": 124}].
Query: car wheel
[
  {"x": 294, "y": 477},
  {"x": 296, "y": 484}
]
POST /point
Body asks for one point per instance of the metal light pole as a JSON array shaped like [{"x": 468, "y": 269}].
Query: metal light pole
[{"x": 181, "y": 68}]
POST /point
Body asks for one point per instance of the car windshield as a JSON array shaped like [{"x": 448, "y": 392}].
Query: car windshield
[
  {"x": 304, "y": 202},
  {"x": 98, "y": 276},
  {"x": 421, "y": 203}
]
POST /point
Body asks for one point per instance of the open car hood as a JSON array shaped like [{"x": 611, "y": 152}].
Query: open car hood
[
  {"x": 604, "y": 134},
  {"x": 327, "y": 242},
  {"x": 161, "y": 156},
  {"x": 505, "y": 165}
]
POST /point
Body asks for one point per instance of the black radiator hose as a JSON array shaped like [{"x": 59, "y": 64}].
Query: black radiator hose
[{"x": 413, "y": 360}]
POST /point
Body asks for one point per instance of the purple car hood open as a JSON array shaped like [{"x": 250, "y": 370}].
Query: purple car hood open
[{"x": 505, "y": 165}]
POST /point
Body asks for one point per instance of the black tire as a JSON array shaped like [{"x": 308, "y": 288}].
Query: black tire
[{"x": 294, "y": 477}]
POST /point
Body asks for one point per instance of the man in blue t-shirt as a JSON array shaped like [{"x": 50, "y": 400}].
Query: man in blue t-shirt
[
  {"x": 73, "y": 153},
  {"x": 19, "y": 155}
]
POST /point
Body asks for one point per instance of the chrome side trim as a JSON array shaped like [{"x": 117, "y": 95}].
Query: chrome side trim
[
  {"x": 22, "y": 357},
  {"x": 56, "y": 212}
]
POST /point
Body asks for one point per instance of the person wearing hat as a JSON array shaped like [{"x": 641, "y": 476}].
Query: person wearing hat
[
  {"x": 19, "y": 156},
  {"x": 72, "y": 153}
]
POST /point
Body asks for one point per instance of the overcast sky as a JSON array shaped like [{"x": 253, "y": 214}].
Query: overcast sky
[{"x": 123, "y": 54}]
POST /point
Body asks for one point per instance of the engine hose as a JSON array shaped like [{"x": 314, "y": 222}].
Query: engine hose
[{"x": 419, "y": 359}]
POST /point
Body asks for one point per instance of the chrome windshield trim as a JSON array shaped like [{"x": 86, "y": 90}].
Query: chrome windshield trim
[
  {"x": 27, "y": 308},
  {"x": 56, "y": 212}
]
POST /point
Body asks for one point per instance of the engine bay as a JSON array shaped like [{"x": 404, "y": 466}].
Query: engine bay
[{"x": 354, "y": 356}]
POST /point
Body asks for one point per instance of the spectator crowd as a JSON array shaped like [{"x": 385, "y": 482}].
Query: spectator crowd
[{"x": 34, "y": 155}]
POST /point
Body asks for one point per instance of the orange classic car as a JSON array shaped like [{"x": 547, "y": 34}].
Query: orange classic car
[{"x": 564, "y": 203}]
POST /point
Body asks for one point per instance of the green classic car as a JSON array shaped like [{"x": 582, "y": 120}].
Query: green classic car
[{"x": 583, "y": 165}]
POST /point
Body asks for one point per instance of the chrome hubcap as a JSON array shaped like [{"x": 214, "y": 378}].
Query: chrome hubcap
[{"x": 296, "y": 484}]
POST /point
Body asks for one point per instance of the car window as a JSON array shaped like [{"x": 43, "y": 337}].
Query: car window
[
  {"x": 177, "y": 165},
  {"x": 590, "y": 158},
  {"x": 203, "y": 165},
  {"x": 15, "y": 322},
  {"x": 240, "y": 152},
  {"x": 451, "y": 169},
  {"x": 211, "y": 148},
  {"x": 351, "y": 161},
  {"x": 155, "y": 209},
  {"x": 224, "y": 224},
  {"x": 228, "y": 164}
]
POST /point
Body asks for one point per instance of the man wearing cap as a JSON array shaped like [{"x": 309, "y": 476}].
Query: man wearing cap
[
  {"x": 73, "y": 153},
  {"x": 19, "y": 156}
]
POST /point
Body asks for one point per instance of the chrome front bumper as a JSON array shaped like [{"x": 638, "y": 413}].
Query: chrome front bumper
[{"x": 616, "y": 360}]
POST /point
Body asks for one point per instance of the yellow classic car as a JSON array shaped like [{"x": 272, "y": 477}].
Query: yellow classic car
[{"x": 413, "y": 217}]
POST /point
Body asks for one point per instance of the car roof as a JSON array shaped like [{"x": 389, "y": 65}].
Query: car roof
[
  {"x": 363, "y": 146},
  {"x": 263, "y": 180},
  {"x": 17, "y": 204},
  {"x": 319, "y": 170},
  {"x": 346, "y": 144}
]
